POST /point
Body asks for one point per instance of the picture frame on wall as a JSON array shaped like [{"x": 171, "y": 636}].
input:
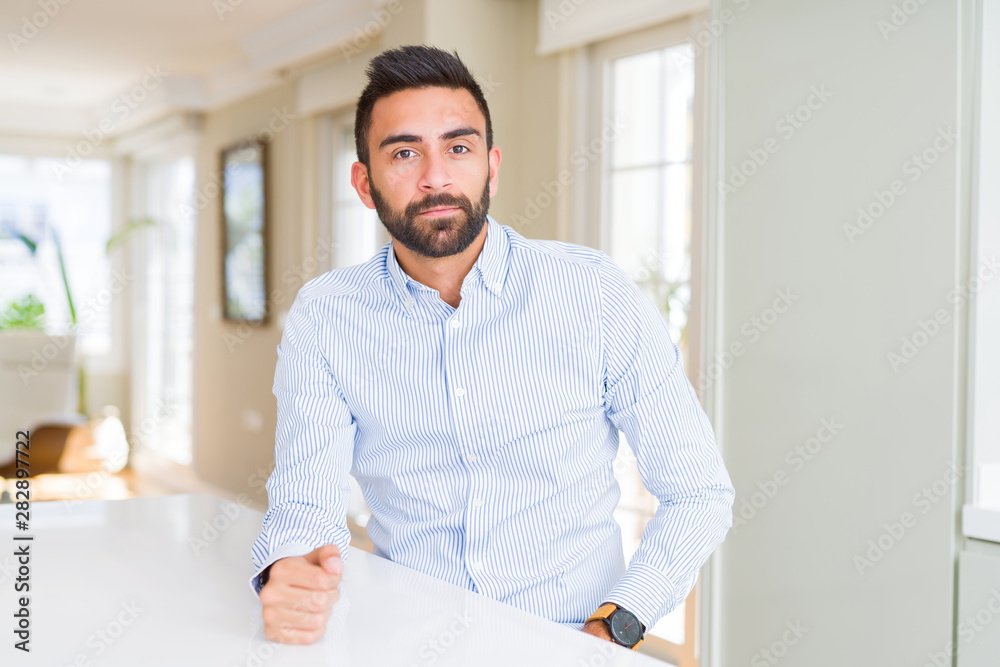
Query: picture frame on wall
[{"x": 244, "y": 231}]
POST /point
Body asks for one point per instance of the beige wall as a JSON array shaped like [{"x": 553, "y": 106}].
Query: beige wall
[{"x": 234, "y": 366}]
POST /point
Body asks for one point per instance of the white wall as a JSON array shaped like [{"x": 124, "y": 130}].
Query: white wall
[
  {"x": 826, "y": 356},
  {"x": 987, "y": 429}
]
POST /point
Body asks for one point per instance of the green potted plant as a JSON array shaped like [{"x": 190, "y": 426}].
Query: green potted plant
[
  {"x": 28, "y": 312},
  {"x": 24, "y": 313}
]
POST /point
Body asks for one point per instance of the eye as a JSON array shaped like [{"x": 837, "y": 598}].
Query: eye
[
  {"x": 405, "y": 150},
  {"x": 464, "y": 148}
]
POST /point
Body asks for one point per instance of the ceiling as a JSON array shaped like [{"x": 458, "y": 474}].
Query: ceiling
[{"x": 60, "y": 74}]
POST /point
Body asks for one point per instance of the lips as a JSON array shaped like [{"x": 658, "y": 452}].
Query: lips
[{"x": 439, "y": 211}]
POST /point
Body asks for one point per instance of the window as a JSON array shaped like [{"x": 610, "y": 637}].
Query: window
[
  {"x": 644, "y": 86},
  {"x": 981, "y": 514},
  {"x": 163, "y": 307},
  {"x": 648, "y": 230},
  {"x": 43, "y": 204},
  {"x": 353, "y": 229}
]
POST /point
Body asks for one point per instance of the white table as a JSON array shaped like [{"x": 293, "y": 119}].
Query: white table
[{"x": 119, "y": 582}]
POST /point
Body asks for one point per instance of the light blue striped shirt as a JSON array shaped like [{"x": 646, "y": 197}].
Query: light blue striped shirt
[{"x": 483, "y": 436}]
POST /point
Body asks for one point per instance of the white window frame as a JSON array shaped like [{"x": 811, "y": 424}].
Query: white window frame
[
  {"x": 981, "y": 511},
  {"x": 332, "y": 128},
  {"x": 182, "y": 142},
  {"x": 583, "y": 99}
]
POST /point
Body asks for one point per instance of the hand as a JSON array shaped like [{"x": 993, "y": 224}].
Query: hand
[
  {"x": 299, "y": 595},
  {"x": 598, "y": 628}
]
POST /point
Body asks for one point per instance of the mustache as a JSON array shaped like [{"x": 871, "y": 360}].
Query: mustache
[{"x": 437, "y": 201}]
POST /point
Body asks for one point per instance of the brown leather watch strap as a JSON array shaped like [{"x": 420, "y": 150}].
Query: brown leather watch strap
[
  {"x": 603, "y": 611},
  {"x": 608, "y": 608}
]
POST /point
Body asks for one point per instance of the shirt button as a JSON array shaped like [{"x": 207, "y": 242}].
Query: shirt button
[
  {"x": 460, "y": 392},
  {"x": 455, "y": 324},
  {"x": 472, "y": 457},
  {"x": 477, "y": 566},
  {"x": 477, "y": 502}
]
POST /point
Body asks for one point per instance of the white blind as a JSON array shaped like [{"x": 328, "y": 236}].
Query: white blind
[{"x": 563, "y": 24}]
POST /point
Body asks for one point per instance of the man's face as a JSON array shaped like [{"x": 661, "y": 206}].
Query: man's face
[{"x": 431, "y": 176}]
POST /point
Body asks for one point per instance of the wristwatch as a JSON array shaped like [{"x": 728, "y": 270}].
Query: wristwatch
[{"x": 624, "y": 628}]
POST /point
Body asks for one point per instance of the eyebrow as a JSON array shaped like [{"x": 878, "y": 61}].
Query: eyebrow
[{"x": 416, "y": 139}]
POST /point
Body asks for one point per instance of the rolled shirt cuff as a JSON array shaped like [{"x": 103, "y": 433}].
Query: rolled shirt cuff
[{"x": 644, "y": 591}]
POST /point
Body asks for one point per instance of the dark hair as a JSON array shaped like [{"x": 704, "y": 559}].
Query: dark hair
[{"x": 408, "y": 67}]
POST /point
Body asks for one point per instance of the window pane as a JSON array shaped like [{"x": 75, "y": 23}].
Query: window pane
[
  {"x": 671, "y": 626},
  {"x": 635, "y": 203},
  {"x": 357, "y": 231},
  {"x": 637, "y": 103},
  {"x": 166, "y": 306},
  {"x": 675, "y": 260},
  {"x": 648, "y": 228},
  {"x": 43, "y": 200},
  {"x": 679, "y": 98}
]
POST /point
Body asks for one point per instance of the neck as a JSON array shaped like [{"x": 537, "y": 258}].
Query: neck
[{"x": 445, "y": 274}]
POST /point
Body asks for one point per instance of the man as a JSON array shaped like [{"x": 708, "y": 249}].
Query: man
[{"x": 474, "y": 381}]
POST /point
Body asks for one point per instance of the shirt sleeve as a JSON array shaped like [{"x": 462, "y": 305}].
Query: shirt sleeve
[
  {"x": 309, "y": 489},
  {"x": 650, "y": 400}
]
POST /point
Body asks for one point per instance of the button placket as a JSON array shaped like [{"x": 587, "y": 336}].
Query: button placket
[{"x": 477, "y": 526}]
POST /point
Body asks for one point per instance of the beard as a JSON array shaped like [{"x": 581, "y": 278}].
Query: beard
[{"x": 435, "y": 237}]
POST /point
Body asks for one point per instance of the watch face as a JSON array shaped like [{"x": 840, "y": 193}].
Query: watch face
[{"x": 625, "y": 628}]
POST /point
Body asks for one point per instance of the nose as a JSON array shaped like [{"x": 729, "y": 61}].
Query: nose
[{"x": 435, "y": 176}]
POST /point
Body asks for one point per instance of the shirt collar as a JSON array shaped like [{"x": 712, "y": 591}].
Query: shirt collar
[{"x": 491, "y": 263}]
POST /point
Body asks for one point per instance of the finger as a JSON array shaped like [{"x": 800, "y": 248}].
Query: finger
[
  {"x": 327, "y": 557},
  {"x": 291, "y": 635},
  {"x": 278, "y": 620},
  {"x": 293, "y": 597},
  {"x": 302, "y": 620}
]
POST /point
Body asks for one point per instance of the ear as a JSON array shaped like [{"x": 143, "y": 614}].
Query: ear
[
  {"x": 494, "y": 162},
  {"x": 359, "y": 180}
]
